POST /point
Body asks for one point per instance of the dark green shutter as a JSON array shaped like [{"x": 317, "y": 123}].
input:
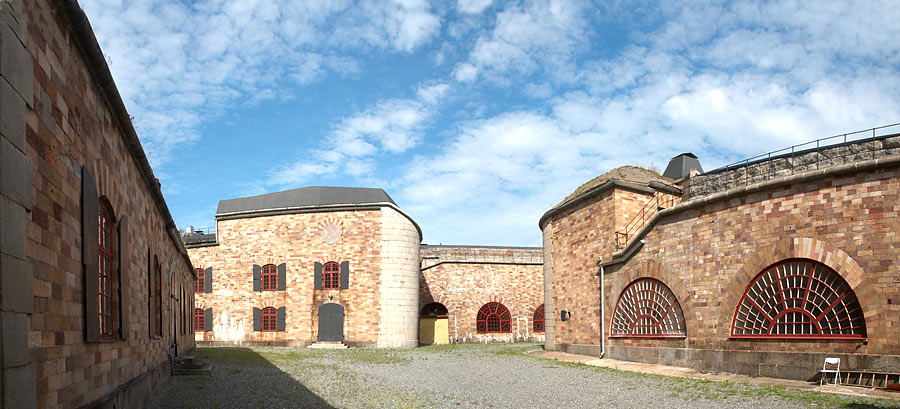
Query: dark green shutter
[
  {"x": 317, "y": 276},
  {"x": 281, "y": 318},
  {"x": 282, "y": 277},
  {"x": 207, "y": 320},
  {"x": 124, "y": 316},
  {"x": 207, "y": 280},
  {"x": 257, "y": 277},
  {"x": 257, "y": 319},
  {"x": 345, "y": 275},
  {"x": 90, "y": 213}
]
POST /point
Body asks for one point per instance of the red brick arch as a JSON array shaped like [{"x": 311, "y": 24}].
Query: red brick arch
[
  {"x": 655, "y": 270},
  {"x": 813, "y": 249}
]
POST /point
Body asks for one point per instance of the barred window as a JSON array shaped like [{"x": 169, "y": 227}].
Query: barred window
[
  {"x": 799, "y": 298},
  {"x": 331, "y": 275},
  {"x": 647, "y": 308},
  {"x": 199, "y": 320},
  {"x": 269, "y": 277},
  {"x": 493, "y": 317},
  {"x": 537, "y": 321},
  {"x": 105, "y": 293},
  {"x": 199, "y": 283},
  {"x": 269, "y": 319}
]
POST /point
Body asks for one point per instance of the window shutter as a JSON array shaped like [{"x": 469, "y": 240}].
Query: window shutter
[
  {"x": 280, "y": 316},
  {"x": 345, "y": 275},
  {"x": 317, "y": 276},
  {"x": 207, "y": 280},
  {"x": 150, "y": 292},
  {"x": 282, "y": 277},
  {"x": 124, "y": 316},
  {"x": 257, "y": 285},
  {"x": 257, "y": 319},
  {"x": 90, "y": 211},
  {"x": 207, "y": 320}
]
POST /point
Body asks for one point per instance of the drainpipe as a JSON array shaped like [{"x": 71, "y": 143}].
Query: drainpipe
[{"x": 602, "y": 312}]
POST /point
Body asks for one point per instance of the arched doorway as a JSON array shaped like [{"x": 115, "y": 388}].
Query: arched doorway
[
  {"x": 434, "y": 326},
  {"x": 331, "y": 323}
]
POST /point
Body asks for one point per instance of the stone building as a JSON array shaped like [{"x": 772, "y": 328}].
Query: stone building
[
  {"x": 95, "y": 290},
  {"x": 763, "y": 268},
  {"x": 332, "y": 264},
  {"x": 307, "y": 265}
]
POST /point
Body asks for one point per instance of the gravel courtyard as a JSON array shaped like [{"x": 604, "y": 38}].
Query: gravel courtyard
[{"x": 457, "y": 376}]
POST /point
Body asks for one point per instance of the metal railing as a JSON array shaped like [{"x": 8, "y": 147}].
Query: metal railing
[
  {"x": 817, "y": 154},
  {"x": 659, "y": 201}
]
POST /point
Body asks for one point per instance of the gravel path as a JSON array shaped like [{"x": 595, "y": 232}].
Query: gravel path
[{"x": 458, "y": 376}]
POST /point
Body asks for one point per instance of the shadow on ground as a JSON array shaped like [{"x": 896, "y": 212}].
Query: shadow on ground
[{"x": 241, "y": 378}]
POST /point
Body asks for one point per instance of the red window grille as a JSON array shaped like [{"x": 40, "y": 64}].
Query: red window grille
[
  {"x": 538, "y": 320},
  {"x": 269, "y": 277},
  {"x": 105, "y": 299},
  {"x": 493, "y": 317},
  {"x": 269, "y": 318},
  {"x": 200, "y": 282},
  {"x": 647, "y": 308},
  {"x": 331, "y": 275},
  {"x": 199, "y": 320},
  {"x": 799, "y": 298}
]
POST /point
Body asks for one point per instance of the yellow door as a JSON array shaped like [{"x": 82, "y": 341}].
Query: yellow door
[
  {"x": 434, "y": 331},
  {"x": 426, "y": 331}
]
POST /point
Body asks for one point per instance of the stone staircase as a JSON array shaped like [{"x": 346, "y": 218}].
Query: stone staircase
[
  {"x": 190, "y": 366},
  {"x": 328, "y": 345}
]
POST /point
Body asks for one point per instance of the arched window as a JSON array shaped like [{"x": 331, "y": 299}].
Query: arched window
[
  {"x": 269, "y": 278},
  {"x": 434, "y": 310},
  {"x": 105, "y": 293},
  {"x": 537, "y": 322},
  {"x": 199, "y": 320},
  {"x": 648, "y": 309},
  {"x": 200, "y": 283},
  {"x": 493, "y": 317},
  {"x": 331, "y": 275},
  {"x": 269, "y": 319},
  {"x": 799, "y": 298}
]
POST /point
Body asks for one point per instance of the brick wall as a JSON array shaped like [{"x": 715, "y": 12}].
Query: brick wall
[
  {"x": 708, "y": 253},
  {"x": 464, "y": 278},
  {"x": 68, "y": 122}
]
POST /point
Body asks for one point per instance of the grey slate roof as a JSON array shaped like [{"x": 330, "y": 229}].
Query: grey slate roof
[
  {"x": 680, "y": 166},
  {"x": 306, "y": 197}
]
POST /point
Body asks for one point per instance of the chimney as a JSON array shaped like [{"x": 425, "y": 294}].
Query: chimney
[{"x": 682, "y": 166}]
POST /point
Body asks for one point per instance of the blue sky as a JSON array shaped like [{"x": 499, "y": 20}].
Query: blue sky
[{"x": 477, "y": 116}]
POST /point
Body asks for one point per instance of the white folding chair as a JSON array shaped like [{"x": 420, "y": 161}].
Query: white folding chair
[{"x": 831, "y": 365}]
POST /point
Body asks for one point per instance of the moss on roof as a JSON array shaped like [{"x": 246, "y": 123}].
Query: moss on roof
[{"x": 628, "y": 173}]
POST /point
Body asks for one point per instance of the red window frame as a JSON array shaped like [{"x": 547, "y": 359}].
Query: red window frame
[
  {"x": 200, "y": 282},
  {"x": 199, "y": 320},
  {"x": 798, "y": 298},
  {"x": 493, "y": 318},
  {"x": 269, "y": 319},
  {"x": 105, "y": 273},
  {"x": 331, "y": 276},
  {"x": 537, "y": 321},
  {"x": 269, "y": 277},
  {"x": 647, "y": 308}
]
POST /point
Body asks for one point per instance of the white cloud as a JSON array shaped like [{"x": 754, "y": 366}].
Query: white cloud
[
  {"x": 465, "y": 72},
  {"x": 432, "y": 94},
  {"x": 472, "y": 6}
]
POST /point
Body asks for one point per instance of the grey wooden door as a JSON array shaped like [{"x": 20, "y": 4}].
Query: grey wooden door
[{"x": 331, "y": 323}]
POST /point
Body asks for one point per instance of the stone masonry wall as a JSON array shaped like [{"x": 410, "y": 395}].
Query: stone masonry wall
[
  {"x": 399, "y": 323},
  {"x": 296, "y": 240},
  {"x": 69, "y": 124},
  {"x": 464, "y": 278},
  {"x": 709, "y": 254}
]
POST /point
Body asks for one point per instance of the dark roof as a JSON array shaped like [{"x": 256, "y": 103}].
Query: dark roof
[
  {"x": 681, "y": 166},
  {"x": 312, "y": 196}
]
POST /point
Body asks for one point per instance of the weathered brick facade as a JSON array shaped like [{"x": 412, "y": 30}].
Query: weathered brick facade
[
  {"x": 464, "y": 278},
  {"x": 708, "y": 248},
  {"x": 379, "y": 244},
  {"x": 62, "y": 119}
]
